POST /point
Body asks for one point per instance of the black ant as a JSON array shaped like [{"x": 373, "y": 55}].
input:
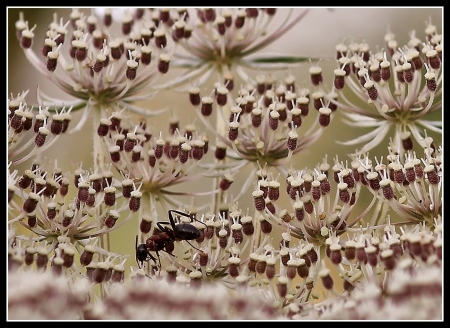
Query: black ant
[{"x": 163, "y": 240}]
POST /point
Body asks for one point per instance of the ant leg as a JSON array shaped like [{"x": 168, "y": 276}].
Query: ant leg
[
  {"x": 172, "y": 222},
  {"x": 193, "y": 246}
]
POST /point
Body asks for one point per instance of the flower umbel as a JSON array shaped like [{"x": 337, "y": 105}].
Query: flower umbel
[{"x": 398, "y": 89}]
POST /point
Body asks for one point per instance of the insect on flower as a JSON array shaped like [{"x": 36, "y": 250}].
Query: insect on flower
[{"x": 163, "y": 240}]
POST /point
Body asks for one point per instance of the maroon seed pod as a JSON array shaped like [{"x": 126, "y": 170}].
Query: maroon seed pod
[
  {"x": 221, "y": 96},
  {"x": 233, "y": 131},
  {"x": 111, "y": 219},
  {"x": 325, "y": 116},
  {"x": 308, "y": 205},
  {"x": 159, "y": 148},
  {"x": 385, "y": 69},
  {"x": 163, "y": 63},
  {"x": 274, "y": 190},
  {"x": 114, "y": 153},
  {"x": 431, "y": 81},
  {"x": 197, "y": 150},
  {"x": 344, "y": 194},
  {"x": 51, "y": 211},
  {"x": 261, "y": 264},
  {"x": 90, "y": 271},
  {"x": 226, "y": 182},
  {"x": 26, "y": 38},
  {"x": 87, "y": 255},
  {"x": 408, "y": 73},
  {"x": 118, "y": 274},
  {"x": 236, "y": 233},
  {"x": 109, "y": 197},
  {"x": 327, "y": 280},
  {"x": 256, "y": 117},
  {"x": 130, "y": 142},
  {"x": 316, "y": 75},
  {"x": 292, "y": 140},
  {"x": 375, "y": 72},
  {"x": 29, "y": 255},
  {"x": 41, "y": 258},
  {"x": 258, "y": 200},
  {"x": 80, "y": 51},
  {"x": 52, "y": 61},
  {"x": 83, "y": 191},
  {"x": 284, "y": 256},
  {"x": 388, "y": 259},
  {"x": 299, "y": 211},
  {"x": 98, "y": 276},
  {"x": 26, "y": 179},
  {"x": 274, "y": 117},
  {"x": 315, "y": 190},
  {"x": 151, "y": 158},
  {"x": 350, "y": 250},
  {"x": 431, "y": 174},
  {"x": 282, "y": 288},
  {"x": 194, "y": 97},
  {"x": 302, "y": 269},
  {"x": 206, "y": 106},
  {"x": 64, "y": 188},
  {"x": 233, "y": 266},
  {"x": 303, "y": 105},
  {"x": 347, "y": 285},
  {"x": 57, "y": 265},
  {"x": 68, "y": 257},
  {"x": 223, "y": 239},
  {"x": 209, "y": 232},
  {"x": 386, "y": 188},
  {"x": 335, "y": 254},
  {"x": 185, "y": 150},
  {"x": 270, "y": 268},
  {"x": 31, "y": 202},
  {"x": 67, "y": 218},
  {"x": 360, "y": 253},
  {"x": 135, "y": 201},
  {"x": 220, "y": 152},
  {"x": 291, "y": 270},
  {"x": 270, "y": 206},
  {"x": 145, "y": 225},
  {"x": 266, "y": 226},
  {"x": 203, "y": 259},
  {"x": 247, "y": 226},
  {"x": 372, "y": 178},
  {"x": 103, "y": 127},
  {"x": 339, "y": 78},
  {"x": 240, "y": 19},
  {"x": 41, "y": 136},
  {"x": 372, "y": 256},
  {"x": 31, "y": 219},
  {"x": 312, "y": 254},
  {"x": 410, "y": 174},
  {"x": 433, "y": 59}
]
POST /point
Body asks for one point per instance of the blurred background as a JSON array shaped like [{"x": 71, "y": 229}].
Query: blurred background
[{"x": 315, "y": 36}]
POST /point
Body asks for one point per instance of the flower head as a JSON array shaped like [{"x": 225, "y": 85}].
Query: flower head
[
  {"x": 96, "y": 63},
  {"x": 226, "y": 41},
  {"x": 396, "y": 89}
]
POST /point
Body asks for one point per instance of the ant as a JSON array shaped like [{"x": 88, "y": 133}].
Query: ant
[{"x": 163, "y": 240}]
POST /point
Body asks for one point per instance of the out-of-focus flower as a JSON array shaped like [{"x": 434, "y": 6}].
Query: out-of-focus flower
[
  {"x": 44, "y": 296},
  {"x": 148, "y": 299},
  {"x": 396, "y": 89}
]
